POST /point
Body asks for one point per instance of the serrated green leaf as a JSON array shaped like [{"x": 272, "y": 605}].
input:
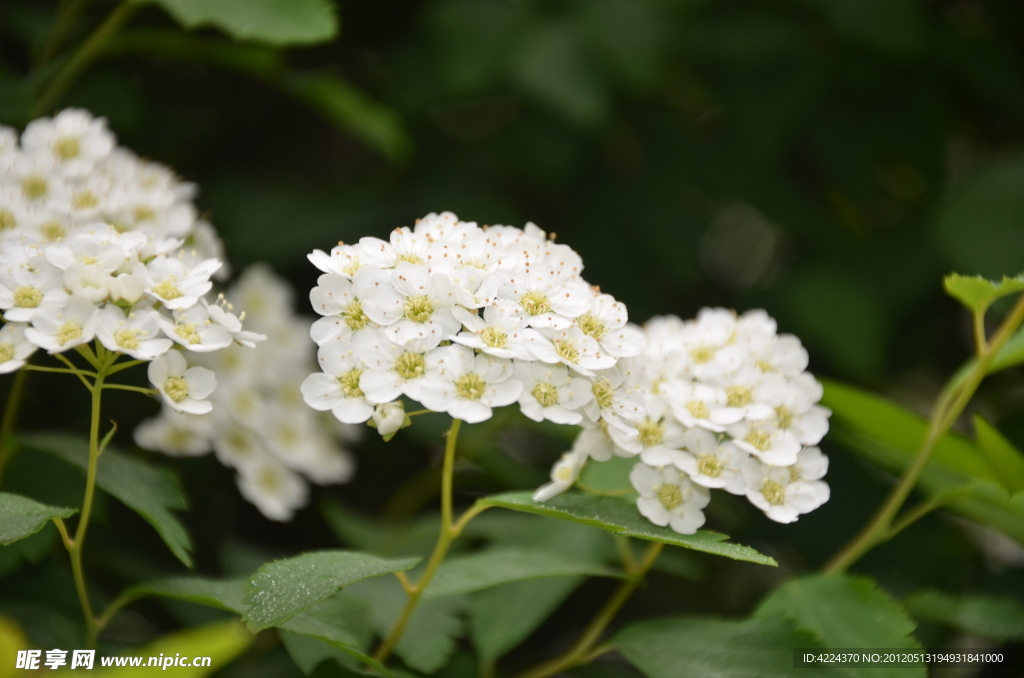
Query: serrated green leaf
[
  {"x": 21, "y": 516},
  {"x": 1000, "y": 619},
  {"x": 1002, "y": 455},
  {"x": 502, "y": 617},
  {"x": 621, "y": 517},
  {"x": 432, "y": 631},
  {"x": 977, "y": 293},
  {"x": 275, "y": 22},
  {"x": 282, "y": 589},
  {"x": 478, "y": 571},
  {"x": 221, "y": 641},
  {"x": 527, "y": 530},
  {"x": 845, "y": 612},
  {"x": 718, "y": 648},
  {"x": 150, "y": 491}
]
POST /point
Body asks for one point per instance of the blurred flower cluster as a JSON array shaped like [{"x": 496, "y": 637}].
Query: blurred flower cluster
[
  {"x": 727, "y": 403},
  {"x": 259, "y": 425},
  {"x": 463, "y": 319}
]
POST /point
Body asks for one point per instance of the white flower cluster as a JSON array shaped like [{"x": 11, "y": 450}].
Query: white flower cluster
[
  {"x": 91, "y": 246},
  {"x": 260, "y": 426},
  {"x": 464, "y": 319},
  {"x": 728, "y": 404}
]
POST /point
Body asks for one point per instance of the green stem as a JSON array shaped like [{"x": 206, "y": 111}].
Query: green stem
[
  {"x": 67, "y": 15},
  {"x": 126, "y": 387},
  {"x": 951, "y": 404},
  {"x": 446, "y": 535},
  {"x": 85, "y": 55},
  {"x": 582, "y": 651},
  {"x": 11, "y": 410}
]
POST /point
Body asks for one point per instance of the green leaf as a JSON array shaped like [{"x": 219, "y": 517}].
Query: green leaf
[
  {"x": 149, "y": 491},
  {"x": 282, "y": 589},
  {"x": 432, "y": 632},
  {"x": 482, "y": 570},
  {"x": 845, "y": 612},
  {"x": 609, "y": 477},
  {"x": 1000, "y": 619},
  {"x": 1003, "y": 456},
  {"x": 340, "y": 621},
  {"x": 526, "y": 530},
  {"x": 890, "y": 436},
  {"x": 275, "y": 22},
  {"x": 223, "y": 594},
  {"x": 383, "y": 537},
  {"x": 221, "y": 641},
  {"x": 21, "y": 516},
  {"x": 977, "y": 293},
  {"x": 622, "y": 517},
  {"x": 718, "y": 648},
  {"x": 504, "y": 616}
]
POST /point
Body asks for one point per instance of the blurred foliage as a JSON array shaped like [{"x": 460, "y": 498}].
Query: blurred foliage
[{"x": 827, "y": 160}]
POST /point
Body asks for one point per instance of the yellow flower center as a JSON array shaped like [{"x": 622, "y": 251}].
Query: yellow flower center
[
  {"x": 350, "y": 383},
  {"x": 794, "y": 474},
  {"x": 494, "y": 337},
  {"x": 67, "y": 148},
  {"x": 143, "y": 213},
  {"x": 699, "y": 409},
  {"x": 535, "y": 303},
  {"x": 34, "y": 187},
  {"x": 591, "y": 326},
  {"x": 785, "y": 416},
  {"x": 670, "y": 496},
  {"x": 127, "y": 339},
  {"x": 176, "y": 388},
  {"x": 709, "y": 465},
  {"x": 27, "y": 297},
  {"x": 566, "y": 349},
  {"x": 470, "y": 386},
  {"x": 651, "y": 432},
  {"x": 6, "y": 352},
  {"x": 188, "y": 333},
  {"x": 167, "y": 289},
  {"x": 354, "y": 316},
  {"x": 239, "y": 442},
  {"x": 761, "y": 440},
  {"x": 702, "y": 354},
  {"x": 69, "y": 331},
  {"x": 86, "y": 200},
  {"x": 604, "y": 394},
  {"x": 411, "y": 258},
  {"x": 765, "y": 366},
  {"x": 545, "y": 393},
  {"x": 410, "y": 365},
  {"x": 269, "y": 480},
  {"x": 564, "y": 474},
  {"x": 739, "y": 395},
  {"x": 419, "y": 308},
  {"x": 774, "y": 493},
  {"x": 7, "y": 220},
  {"x": 53, "y": 231}
]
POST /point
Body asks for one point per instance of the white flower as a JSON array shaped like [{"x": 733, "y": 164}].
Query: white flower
[
  {"x": 780, "y": 493},
  {"x": 695, "y": 404},
  {"x": 667, "y": 497},
  {"x": 175, "y": 433},
  {"x": 343, "y": 260},
  {"x": 616, "y": 401},
  {"x": 28, "y": 289},
  {"x": 606, "y": 323},
  {"x": 500, "y": 332},
  {"x": 570, "y": 347},
  {"x": 276, "y": 491},
  {"x": 338, "y": 299},
  {"x": 388, "y": 418},
  {"x": 14, "y": 348},
  {"x": 467, "y": 386},
  {"x": 193, "y": 329},
  {"x": 57, "y": 329},
  {"x": 766, "y": 440},
  {"x": 417, "y": 307},
  {"x": 177, "y": 285},
  {"x": 563, "y": 474},
  {"x": 338, "y": 387},
  {"x": 183, "y": 388},
  {"x": 550, "y": 393},
  {"x": 391, "y": 370},
  {"x": 710, "y": 462},
  {"x": 220, "y": 313},
  {"x": 73, "y": 138},
  {"x": 136, "y": 334},
  {"x": 405, "y": 246}
]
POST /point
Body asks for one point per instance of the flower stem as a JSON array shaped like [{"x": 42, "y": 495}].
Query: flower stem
[
  {"x": 11, "y": 409},
  {"x": 85, "y": 55},
  {"x": 446, "y": 535},
  {"x": 950, "y": 405},
  {"x": 582, "y": 651}
]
